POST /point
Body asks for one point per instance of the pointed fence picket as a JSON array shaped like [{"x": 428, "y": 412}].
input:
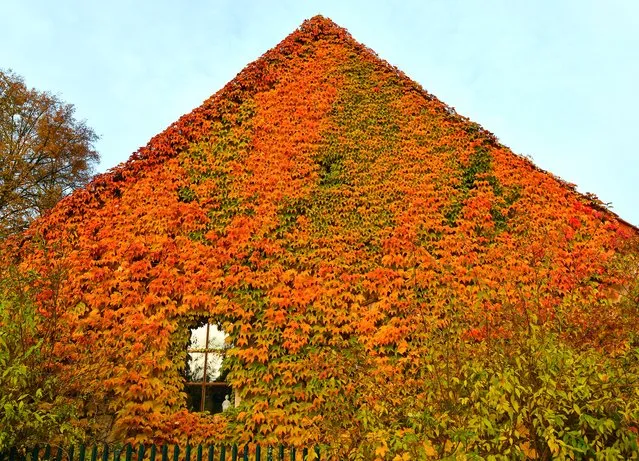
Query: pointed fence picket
[{"x": 162, "y": 453}]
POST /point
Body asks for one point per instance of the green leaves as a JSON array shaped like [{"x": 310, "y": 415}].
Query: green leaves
[
  {"x": 535, "y": 397},
  {"x": 31, "y": 409},
  {"x": 377, "y": 260}
]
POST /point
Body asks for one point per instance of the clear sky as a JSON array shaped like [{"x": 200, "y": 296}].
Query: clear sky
[{"x": 557, "y": 80}]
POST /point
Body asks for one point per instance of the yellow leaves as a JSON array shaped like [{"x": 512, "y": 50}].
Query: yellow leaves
[
  {"x": 381, "y": 450},
  {"x": 553, "y": 445},
  {"x": 522, "y": 431},
  {"x": 429, "y": 450},
  {"x": 448, "y": 446},
  {"x": 319, "y": 209},
  {"x": 528, "y": 451}
]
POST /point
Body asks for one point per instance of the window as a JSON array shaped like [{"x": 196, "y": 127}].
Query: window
[{"x": 205, "y": 374}]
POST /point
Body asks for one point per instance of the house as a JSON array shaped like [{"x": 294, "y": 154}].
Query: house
[{"x": 314, "y": 223}]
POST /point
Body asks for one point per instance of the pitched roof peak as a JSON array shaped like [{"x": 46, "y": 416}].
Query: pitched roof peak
[
  {"x": 319, "y": 27},
  {"x": 319, "y": 22},
  {"x": 265, "y": 74}
]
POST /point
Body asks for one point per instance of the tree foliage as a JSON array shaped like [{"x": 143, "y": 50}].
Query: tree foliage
[
  {"x": 32, "y": 406},
  {"x": 45, "y": 152},
  {"x": 377, "y": 260}
]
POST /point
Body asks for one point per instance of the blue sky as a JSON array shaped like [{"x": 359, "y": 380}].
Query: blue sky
[{"x": 556, "y": 80}]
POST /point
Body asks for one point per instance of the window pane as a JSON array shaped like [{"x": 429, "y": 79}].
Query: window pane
[
  {"x": 214, "y": 398},
  {"x": 216, "y": 337},
  {"x": 198, "y": 337},
  {"x": 194, "y": 370},
  {"x": 193, "y": 397},
  {"x": 209, "y": 356},
  {"x": 213, "y": 366}
]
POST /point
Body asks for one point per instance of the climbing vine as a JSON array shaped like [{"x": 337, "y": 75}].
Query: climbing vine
[{"x": 349, "y": 231}]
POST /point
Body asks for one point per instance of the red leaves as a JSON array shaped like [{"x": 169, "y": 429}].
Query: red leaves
[{"x": 334, "y": 218}]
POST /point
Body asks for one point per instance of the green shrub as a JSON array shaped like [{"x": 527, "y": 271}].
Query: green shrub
[
  {"x": 531, "y": 398},
  {"x": 31, "y": 410}
]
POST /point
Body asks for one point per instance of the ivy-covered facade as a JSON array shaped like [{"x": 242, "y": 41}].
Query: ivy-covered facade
[{"x": 345, "y": 229}]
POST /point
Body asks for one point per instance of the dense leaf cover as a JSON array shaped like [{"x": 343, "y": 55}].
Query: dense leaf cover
[{"x": 342, "y": 224}]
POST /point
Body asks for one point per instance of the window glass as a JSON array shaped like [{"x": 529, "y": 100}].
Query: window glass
[
  {"x": 206, "y": 388},
  {"x": 217, "y": 337},
  {"x": 196, "y": 364}
]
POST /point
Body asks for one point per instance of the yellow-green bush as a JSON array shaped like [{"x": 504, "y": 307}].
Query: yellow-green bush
[
  {"x": 529, "y": 397},
  {"x": 31, "y": 408}
]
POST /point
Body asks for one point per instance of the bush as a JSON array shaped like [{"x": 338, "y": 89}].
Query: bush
[
  {"x": 531, "y": 396},
  {"x": 537, "y": 398},
  {"x": 31, "y": 409}
]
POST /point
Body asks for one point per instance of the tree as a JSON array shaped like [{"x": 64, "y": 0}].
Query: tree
[
  {"x": 33, "y": 401},
  {"x": 45, "y": 152}
]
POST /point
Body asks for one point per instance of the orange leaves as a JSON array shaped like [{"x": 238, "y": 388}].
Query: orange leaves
[
  {"x": 295, "y": 336},
  {"x": 278, "y": 317},
  {"x": 337, "y": 220},
  {"x": 388, "y": 334},
  {"x": 248, "y": 355}
]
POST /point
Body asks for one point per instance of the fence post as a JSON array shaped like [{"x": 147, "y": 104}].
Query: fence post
[
  {"x": 105, "y": 453},
  {"x": 79, "y": 453}
]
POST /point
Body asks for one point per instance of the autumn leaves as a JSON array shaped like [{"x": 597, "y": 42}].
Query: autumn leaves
[{"x": 342, "y": 224}]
